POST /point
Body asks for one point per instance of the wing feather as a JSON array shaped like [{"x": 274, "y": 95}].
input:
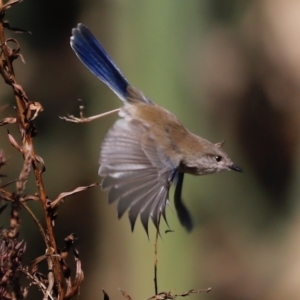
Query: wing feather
[{"x": 134, "y": 172}]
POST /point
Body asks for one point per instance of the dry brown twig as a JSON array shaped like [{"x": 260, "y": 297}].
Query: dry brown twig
[
  {"x": 57, "y": 284},
  {"x": 163, "y": 295},
  {"x": 83, "y": 119}
]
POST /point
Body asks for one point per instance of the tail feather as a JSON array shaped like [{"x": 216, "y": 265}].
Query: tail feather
[{"x": 95, "y": 58}]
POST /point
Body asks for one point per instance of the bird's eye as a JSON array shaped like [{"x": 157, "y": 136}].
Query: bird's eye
[{"x": 218, "y": 158}]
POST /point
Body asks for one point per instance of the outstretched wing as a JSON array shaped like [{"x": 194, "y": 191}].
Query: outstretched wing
[{"x": 134, "y": 172}]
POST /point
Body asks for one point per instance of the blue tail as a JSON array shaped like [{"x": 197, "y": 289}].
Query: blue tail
[{"x": 95, "y": 58}]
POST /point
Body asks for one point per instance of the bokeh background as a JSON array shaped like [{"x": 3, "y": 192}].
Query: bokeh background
[{"x": 229, "y": 70}]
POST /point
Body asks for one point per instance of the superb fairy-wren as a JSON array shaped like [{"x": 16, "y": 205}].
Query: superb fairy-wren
[{"x": 148, "y": 148}]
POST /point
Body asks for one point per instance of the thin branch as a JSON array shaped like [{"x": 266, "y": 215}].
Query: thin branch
[
  {"x": 37, "y": 282},
  {"x": 26, "y": 111},
  {"x": 36, "y": 221},
  {"x": 79, "y": 189},
  {"x": 168, "y": 295},
  {"x": 155, "y": 256},
  {"x": 71, "y": 118}
]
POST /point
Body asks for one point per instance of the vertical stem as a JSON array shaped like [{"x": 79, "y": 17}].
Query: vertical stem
[
  {"x": 25, "y": 127},
  {"x": 155, "y": 257}
]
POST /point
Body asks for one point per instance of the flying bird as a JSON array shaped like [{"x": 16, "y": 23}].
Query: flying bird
[{"x": 148, "y": 148}]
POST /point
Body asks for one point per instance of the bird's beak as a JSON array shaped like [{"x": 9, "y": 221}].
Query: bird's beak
[{"x": 235, "y": 168}]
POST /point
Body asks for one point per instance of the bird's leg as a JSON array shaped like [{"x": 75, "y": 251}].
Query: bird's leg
[{"x": 82, "y": 119}]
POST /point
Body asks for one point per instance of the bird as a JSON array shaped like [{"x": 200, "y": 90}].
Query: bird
[{"x": 147, "y": 149}]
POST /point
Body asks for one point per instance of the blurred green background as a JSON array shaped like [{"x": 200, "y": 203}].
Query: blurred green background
[{"x": 229, "y": 70}]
